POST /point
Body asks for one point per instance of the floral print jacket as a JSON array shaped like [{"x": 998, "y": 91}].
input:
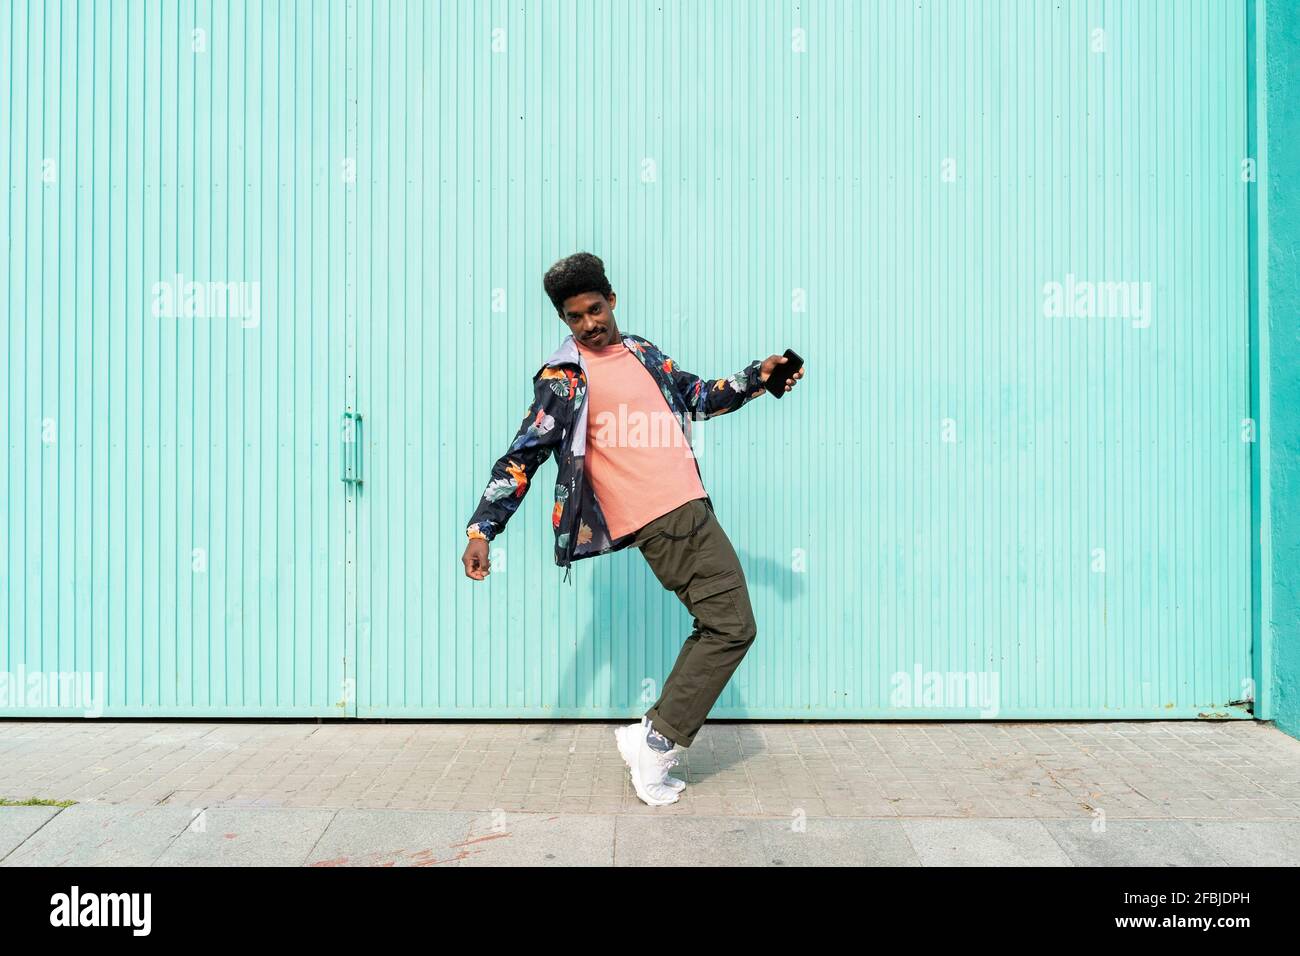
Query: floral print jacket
[{"x": 556, "y": 421}]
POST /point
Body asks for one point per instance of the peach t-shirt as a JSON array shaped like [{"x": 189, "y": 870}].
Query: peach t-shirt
[{"x": 638, "y": 460}]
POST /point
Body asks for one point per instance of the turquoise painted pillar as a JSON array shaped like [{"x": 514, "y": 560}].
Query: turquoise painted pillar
[{"x": 1279, "y": 378}]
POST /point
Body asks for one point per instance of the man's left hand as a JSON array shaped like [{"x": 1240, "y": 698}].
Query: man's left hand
[{"x": 770, "y": 364}]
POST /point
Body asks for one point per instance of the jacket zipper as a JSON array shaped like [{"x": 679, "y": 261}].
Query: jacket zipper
[
  {"x": 571, "y": 507},
  {"x": 574, "y": 518}
]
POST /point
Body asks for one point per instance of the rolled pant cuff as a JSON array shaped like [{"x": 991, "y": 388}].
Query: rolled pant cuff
[{"x": 668, "y": 730}]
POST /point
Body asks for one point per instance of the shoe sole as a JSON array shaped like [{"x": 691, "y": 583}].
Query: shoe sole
[{"x": 636, "y": 778}]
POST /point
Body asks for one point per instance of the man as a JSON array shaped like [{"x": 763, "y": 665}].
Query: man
[{"x": 600, "y": 403}]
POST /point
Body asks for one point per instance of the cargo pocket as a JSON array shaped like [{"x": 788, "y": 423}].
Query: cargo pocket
[
  {"x": 715, "y": 584},
  {"x": 720, "y": 604}
]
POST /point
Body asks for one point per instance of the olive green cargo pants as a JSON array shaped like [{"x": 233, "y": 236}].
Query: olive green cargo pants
[{"x": 692, "y": 557}]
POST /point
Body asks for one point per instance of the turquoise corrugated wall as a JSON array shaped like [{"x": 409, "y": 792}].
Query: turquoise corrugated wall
[{"x": 972, "y": 506}]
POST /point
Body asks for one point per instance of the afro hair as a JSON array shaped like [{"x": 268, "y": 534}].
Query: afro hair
[{"x": 574, "y": 275}]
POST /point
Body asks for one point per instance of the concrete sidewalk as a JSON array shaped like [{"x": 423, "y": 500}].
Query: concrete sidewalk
[{"x": 1178, "y": 792}]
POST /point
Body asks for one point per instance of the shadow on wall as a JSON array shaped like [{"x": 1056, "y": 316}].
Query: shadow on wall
[{"x": 637, "y": 626}]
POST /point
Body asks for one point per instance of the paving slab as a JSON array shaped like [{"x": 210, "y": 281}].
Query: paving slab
[
  {"x": 642, "y": 840},
  {"x": 533, "y": 839},
  {"x": 90, "y": 834},
  {"x": 248, "y": 837},
  {"x": 1132, "y": 843},
  {"x": 984, "y": 843},
  {"x": 831, "y": 841},
  {"x": 396, "y": 838},
  {"x": 17, "y": 824},
  {"x": 1251, "y": 843}
]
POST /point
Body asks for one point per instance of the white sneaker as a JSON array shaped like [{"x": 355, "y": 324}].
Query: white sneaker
[
  {"x": 673, "y": 783},
  {"x": 649, "y": 767}
]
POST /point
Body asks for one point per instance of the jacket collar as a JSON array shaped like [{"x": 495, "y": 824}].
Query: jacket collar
[
  {"x": 565, "y": 354},
  {"x": 567, "y": 351}
]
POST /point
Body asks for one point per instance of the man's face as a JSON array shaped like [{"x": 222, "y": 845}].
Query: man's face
[{"x": 590, "y": 317}]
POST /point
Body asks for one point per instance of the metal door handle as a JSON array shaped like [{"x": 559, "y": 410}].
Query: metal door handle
[{"x": 352, "y": 458}]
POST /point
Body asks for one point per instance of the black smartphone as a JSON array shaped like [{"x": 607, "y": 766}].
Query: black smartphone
[{"x": 783, "y": 373}]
